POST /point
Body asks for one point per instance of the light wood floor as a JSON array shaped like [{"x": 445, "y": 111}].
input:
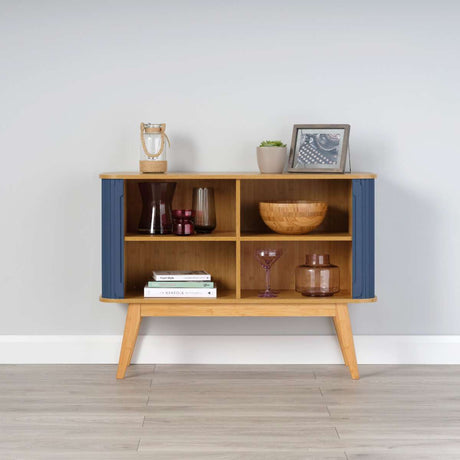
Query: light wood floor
[{"x": 229, "y": 412}]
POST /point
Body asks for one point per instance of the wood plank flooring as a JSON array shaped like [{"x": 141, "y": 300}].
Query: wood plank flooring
[{"x": 167, "y": 412}]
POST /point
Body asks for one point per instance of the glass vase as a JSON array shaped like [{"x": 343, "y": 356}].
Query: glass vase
[
  {"x": 156, "y": 216},
  {"x": 318, "y": 277}
]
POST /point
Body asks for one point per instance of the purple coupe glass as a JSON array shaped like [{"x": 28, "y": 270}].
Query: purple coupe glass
[{"x": 266, "y": 258}]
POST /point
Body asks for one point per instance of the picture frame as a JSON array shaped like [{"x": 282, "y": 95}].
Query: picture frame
[{"x": 319, "y": 148}]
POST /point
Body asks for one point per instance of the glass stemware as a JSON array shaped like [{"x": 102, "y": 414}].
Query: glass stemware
[{"x": 266, "y": 258}]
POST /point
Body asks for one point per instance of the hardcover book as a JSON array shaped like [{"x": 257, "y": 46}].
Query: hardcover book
[
  {"x": 180, "y": 292},
  {"x": 180, "y": 284},
  {"x": 181, "y": 275}
]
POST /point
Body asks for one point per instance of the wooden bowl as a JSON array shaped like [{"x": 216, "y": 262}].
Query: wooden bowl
[{"x": 292, "y": 217}]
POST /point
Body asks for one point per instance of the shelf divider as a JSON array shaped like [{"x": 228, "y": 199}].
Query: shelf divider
[{"x": 238, "y": 233}]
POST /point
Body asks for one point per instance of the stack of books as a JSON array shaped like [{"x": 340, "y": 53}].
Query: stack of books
[{"x": 179, "y": 283}]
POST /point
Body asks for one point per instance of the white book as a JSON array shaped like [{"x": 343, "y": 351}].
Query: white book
[
  {"x": 180, "y": 292},
  {"x": 181, "y": 275}
]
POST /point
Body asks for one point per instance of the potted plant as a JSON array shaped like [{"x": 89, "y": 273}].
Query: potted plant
[{"x": 271, "y": 157}]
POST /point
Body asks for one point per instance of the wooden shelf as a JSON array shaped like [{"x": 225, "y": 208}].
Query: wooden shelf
[
  {"x": 214, "y": 236},
  {"x": 223, "y": 296},
  {"x": 250, "y": 236},
  {"x": 248, "y": 296},
  {"x": 290, "y": 296},
  {"x": 236, "y": 175}
]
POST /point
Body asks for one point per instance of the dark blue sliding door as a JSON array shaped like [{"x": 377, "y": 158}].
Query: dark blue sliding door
[
  {"x": 112, "y": 239},
  {"x": 363, "y": 238}
]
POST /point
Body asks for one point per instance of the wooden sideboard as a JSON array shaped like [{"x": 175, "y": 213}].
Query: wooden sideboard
[{"x": 347, "y": 234}]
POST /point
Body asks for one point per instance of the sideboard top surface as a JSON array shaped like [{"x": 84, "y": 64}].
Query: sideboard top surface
[{"x": 235, "y": 175}]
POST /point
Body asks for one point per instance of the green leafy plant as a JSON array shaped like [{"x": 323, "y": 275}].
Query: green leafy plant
[{"x": 272, "y": 144}]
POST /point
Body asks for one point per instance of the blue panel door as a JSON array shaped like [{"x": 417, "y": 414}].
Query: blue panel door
[
  {"x": 363, "y": 238},
  {"x": 112, "y": 239}
]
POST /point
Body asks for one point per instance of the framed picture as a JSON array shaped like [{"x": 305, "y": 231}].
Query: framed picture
[{"x": 319, "y": 148}]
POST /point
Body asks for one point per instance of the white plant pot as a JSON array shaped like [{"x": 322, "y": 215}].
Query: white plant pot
[{"x": 271, "y": 160}]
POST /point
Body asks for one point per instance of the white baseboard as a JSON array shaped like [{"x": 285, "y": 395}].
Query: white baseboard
[{"x": 228, "y": 349}]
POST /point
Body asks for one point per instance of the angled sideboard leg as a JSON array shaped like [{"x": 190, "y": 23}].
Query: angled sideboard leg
[
  {"x": 345, "y": 337},
  {"x": 339, "y": 338},
  {"x": 133, "y": 321}
]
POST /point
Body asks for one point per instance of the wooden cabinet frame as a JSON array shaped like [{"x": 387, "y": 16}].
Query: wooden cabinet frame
[{"x": 347, "y": 234}]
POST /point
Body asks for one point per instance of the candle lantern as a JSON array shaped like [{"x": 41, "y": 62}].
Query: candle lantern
[{"x": 154, "y": 144}]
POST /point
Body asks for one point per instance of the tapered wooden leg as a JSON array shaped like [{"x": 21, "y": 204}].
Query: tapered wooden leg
[
  {"x": 339, "y": 338},
  {"x": 345, "y": 334},
  {"x": 133, "y": 321}
]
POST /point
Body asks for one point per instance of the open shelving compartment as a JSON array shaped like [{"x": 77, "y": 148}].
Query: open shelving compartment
[
  {"x": 283, "y": 270},
  {"x": 337, "y": 193},
  {"x": 214, "y": 252},
  {"x": 216, "y": 257},
  {"x": 333, "y": 236},
  {"x": 228, "y": 253},
  {"x": 224, "y": 195}
]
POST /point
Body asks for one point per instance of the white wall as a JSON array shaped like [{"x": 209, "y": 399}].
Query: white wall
[{"x": 76, "y": 78}]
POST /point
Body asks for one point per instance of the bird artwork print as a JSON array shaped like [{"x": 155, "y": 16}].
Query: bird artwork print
[{"x": 319, "y": 149}]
